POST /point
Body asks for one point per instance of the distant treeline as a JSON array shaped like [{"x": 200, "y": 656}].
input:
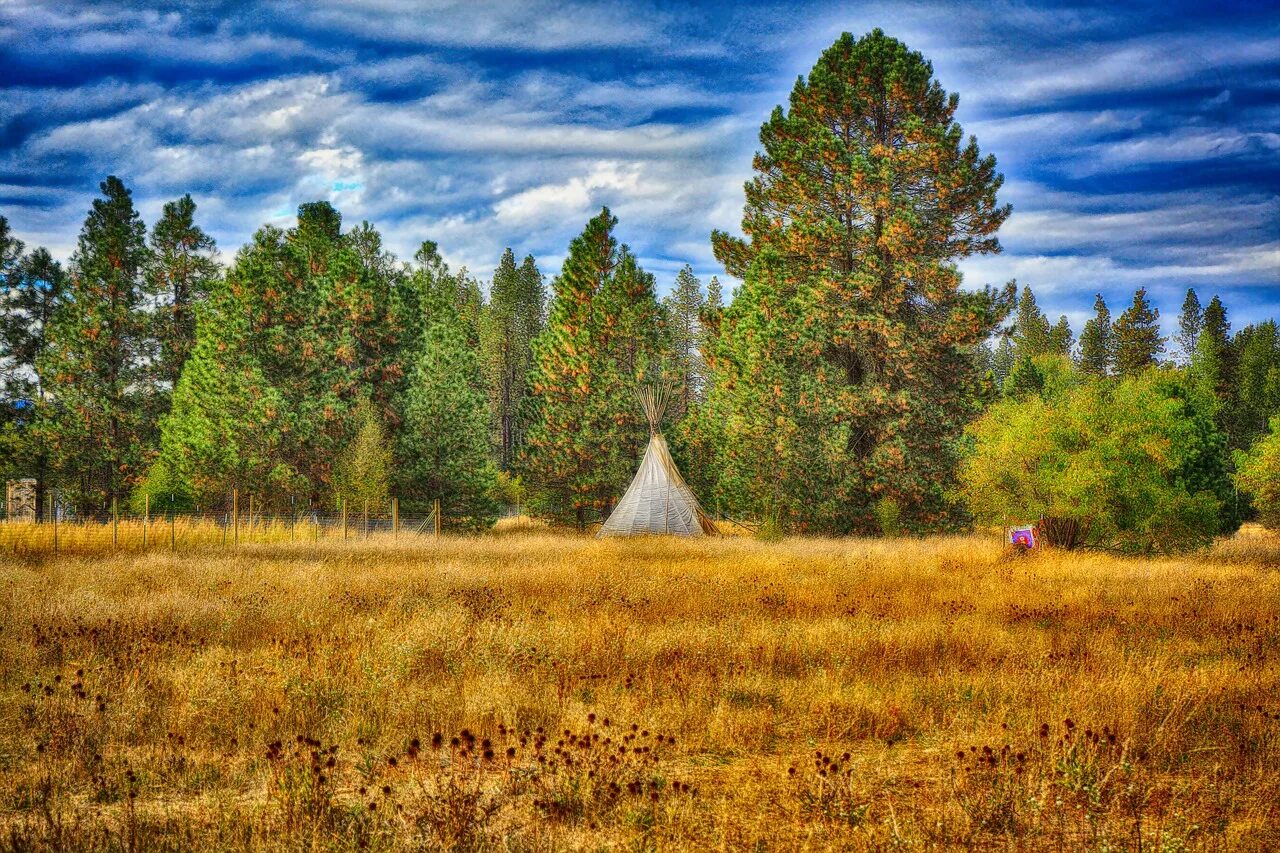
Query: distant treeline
[{"x": 849, "y": 386}]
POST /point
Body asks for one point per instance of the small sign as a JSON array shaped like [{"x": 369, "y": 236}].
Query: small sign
[{"x": 1022, "y": 536}]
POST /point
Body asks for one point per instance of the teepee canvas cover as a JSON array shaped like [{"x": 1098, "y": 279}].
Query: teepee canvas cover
[{"x": 658, "y": 499}]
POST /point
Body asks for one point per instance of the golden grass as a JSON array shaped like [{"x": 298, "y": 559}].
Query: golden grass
[{"x": 812, "y": 694}]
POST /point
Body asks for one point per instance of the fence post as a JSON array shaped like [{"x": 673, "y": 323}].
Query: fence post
[
  {"x": 344, "y": 519},
  {"x": 435, "y": 508},
  {"x": 173, "y": 527},
  {"x": 115, "y": 522},
  {"x": 248, "y": 534},
  {"x": 293, "y": 517},
  {"x": 146, "y": 518},
  {"x": 395, "y": 518},
  {"x": 53, "y": 512},
  {"x": 366, "y": 519},
  {"x": 235, "y": 517}
]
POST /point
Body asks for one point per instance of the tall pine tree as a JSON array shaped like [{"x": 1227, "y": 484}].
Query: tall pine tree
[
  {"x": 1060, "y": 338},
  {"x": 32, "y": 288},
  {"x": 684, "y": 307},
  {"x": 513, "y": 319},
  {"x": 844, "y": 371},
  {"x": 443, "y": 449},
  {"x": 1097, "y": 341},
  {"x": 1032, "y": 335},
  {"x": 182, "y": 267},
  {"x": 100, "y": 422},
  {"x": 601, "y": 334},
  {"x": 1137, "y": 336},
  {"x": 1190, "y": 321}
]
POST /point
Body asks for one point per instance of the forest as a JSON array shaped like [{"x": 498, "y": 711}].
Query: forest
[{"x": 847, "y": 384}]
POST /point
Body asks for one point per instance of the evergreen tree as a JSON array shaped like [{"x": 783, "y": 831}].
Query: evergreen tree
[
  {"x": 1097, "y": 341},
  {"x": 363, "y": 474},
  {"x": 1025, "y": 380},
  {"x": 1137, "y": 335},
  {"x": 601, "y": 336},
  {"x": 308, "y": 323},
  {"x": 1190, "y": 321},
  {"x": 845, "y": 364},
  {"x": 684, "y": 307},
  {"x": 1032, "y": 335},
  {"x": 1256, "y": 397},
  {"x": 182, "y": 267},
  {"x": 511, "y": 322},
  {"x": 100, "y": 422},
  {"x": 32, "y": 288},
  {"x": 1060, "y": 338},
  {"x": 443, "y": 449},
  {"x": 1002, "y": 362}
]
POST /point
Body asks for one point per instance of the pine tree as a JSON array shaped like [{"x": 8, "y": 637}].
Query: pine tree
[
  {"x": 602, "y": 335},
  {"x": 443, "y": 448},
  {"x": 1097, "y": 341},
  {"x": 845, "y": 368},
  {"x": 1257, "y": 387},
  {"x": 32, "y": 288},
  {"x": 1031, "y": 332},
  {"x": 1060, "y": 338},
  {"x": 100, "y": 422},
  {"x": 1137, "y": 336},
  {"x": 565, "y": 434},
  {"x": 512, "y": 320},
  {"x": 182, "y": 267},
  {"x": 1025, "y": 379},
  {"x": 1002, "y": 361},
  {"x": 684, "y": 307},
  {"x": 308, "y": 322},
  {"x": 1190, "y": 321}
]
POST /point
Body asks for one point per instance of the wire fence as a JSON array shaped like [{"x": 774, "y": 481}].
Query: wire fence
[{"x": 61, "y": 531}]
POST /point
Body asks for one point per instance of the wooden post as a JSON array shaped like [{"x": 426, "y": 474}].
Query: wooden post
[
  {"x": 173, "y": 529},
  {"x": 249, "y": 531},
  {"x": 366, "y": 519},
  {"x": 53, "y": 513},
  {"x": 395, "y": 518},
  {"x": 435, "y": 508},
  {"x": 146, "y": 518},
  {"x": 115, "y": 522},
  {"x": 344, "y": 519},
  {"x": 235, "y": 517}
]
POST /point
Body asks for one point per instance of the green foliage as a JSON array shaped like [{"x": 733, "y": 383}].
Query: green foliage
[
  {"x": 1190, "y": 322},
  {"x": 602, "y": 336},
  {"x": 442, "y": 451},
  {"x": 305, "y": 325},
  {"x": 1258, "y": 475},
  {"x": 181, "y": 269},
  {"x": 33, "y": 286},
  {"x": 162, "y": 491},
  {"x": 1097, "y": 341},
  {"x": 101, "y": 416},
  {"x": 513, "y": 319},
  {"x": 362, "y": 476},
  {"x": 1026, "y": 379},
  {"x": 843, "y": 371},
  {"x": 1061, "y": 339},
  {"x": 684, "y": 307},
  {"x": 888, "y": 516},
  {"x": 1137, "y": 336},
  {"x": 1032, "y": 335},
  {"x": 1002, "y": 362},
  {"x": 1137, "y": 463}
]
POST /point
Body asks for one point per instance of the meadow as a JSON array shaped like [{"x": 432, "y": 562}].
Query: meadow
[{"x": 527, "y": 690}]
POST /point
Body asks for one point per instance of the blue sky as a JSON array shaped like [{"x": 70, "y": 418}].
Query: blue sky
[{"x": 1140, "y": 141}]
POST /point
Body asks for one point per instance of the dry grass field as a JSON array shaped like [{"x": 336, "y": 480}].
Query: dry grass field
[{"x": 531, "y": 691}]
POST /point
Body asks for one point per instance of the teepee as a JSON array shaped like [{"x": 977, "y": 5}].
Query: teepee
[{"x": 658, "y": 499}]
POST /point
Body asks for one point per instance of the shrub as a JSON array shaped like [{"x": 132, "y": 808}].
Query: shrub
[
  {"x": 1258, "y": 475},
  {"x": 1136, "y": 464},
  {"x": 888, "y": 513}
]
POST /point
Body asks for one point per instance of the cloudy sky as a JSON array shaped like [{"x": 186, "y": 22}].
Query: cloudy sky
[{"x": 1140, "y": 142}]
